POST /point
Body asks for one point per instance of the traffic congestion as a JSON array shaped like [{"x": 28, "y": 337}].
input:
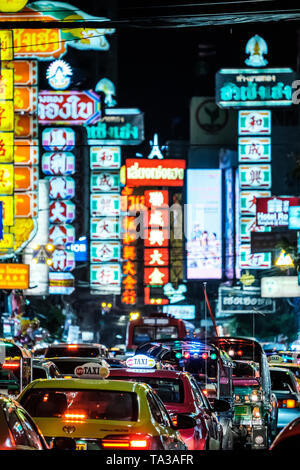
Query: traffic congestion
[{"x": 224, "y": 393}]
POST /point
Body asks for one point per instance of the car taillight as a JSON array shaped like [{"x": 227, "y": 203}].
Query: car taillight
[
  {"x": 286, "y": 403},
  {"x": 131, "y": 443},
  {"x": 76, "y": 417},
  {"x": 72, "y": 346},
  {"x": 174, "y": 420},
  {"x": 205, "y": 392},
  {"x": 11, "y": 365}
]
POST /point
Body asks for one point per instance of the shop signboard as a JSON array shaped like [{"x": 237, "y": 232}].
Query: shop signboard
[
  {"x": 62, "y": 260},
  {"x": 104, "y": 181},
  {"x": 6, "y": 147},
  {"x": 105, "y": 204},
  {"x": 61, "y": 212},
  {"x": 246, "y": 88},
  {"x": 250, "y": 260},
  {"x": 254, "y": 122},
  {"x": 144, "y": 172},
  {"x": 233, "y": 301},
  {"x": 105, "y": 275},
  {"x": 61, "y": 187},
  {"x": 294, "y": 217},
  {"x": 105, "y": 228},
  {"x": 61, "y": 283},
  {"x": 26, "y": 152},
  {"x": 69, "y": 107},
  {"x": 103, "y": 252},
  {"x": 58, "y": 163},
  {"x": 105, "y": 157},
  {"x": 25, "y": 72},
  {"x": 280, "y": 286},
  {"x": 119, "y": 126},
  {"x": 61, "y": 234},
  {"x": 14, "y": 276},
  {"x": 274, "y": 211},
  {"x": 248, "y": 201},
  {"x": 247, "y": 226},
  {"x": 58, "y": 139},
  {"x": 254, "y": 149},
  {"x": 255, "y": 176}
]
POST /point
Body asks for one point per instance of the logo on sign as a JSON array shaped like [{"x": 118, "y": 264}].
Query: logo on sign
[
  {"x": 93, "y": 370},
  {"x": 140, "y": 361}
]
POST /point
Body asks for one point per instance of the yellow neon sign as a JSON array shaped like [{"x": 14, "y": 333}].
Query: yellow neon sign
[{"x": 6, "y": 147}]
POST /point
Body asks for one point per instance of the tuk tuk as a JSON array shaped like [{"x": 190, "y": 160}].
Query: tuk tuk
[
  {"x": 211, "y": 367},
  {"x": 255, "y": 406},
  {"x": 15, "y": 368}
]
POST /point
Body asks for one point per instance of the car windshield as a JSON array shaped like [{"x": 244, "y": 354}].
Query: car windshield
[
  {"x": 87, "y": 404},
  {"x": 142, "y": 334},
  {"x": 281, "y": 381},
  {"x": 68, "y": 367},
  {"x": 245, "y": 369},
  {"x": 67, "y": 351},
  {"x": 169, "y": 390}
]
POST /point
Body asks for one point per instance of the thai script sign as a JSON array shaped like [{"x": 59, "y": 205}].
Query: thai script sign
[
  {"x": 239, "y": 88},
  {"x": 144, "y": 172},
  {"x": 69, "y": 107},
  {"x": 232, "y": 301},
  {"x": 118, "y": 127}
]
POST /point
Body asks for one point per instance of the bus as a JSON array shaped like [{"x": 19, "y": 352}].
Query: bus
[{"x": 153, "y": 327}]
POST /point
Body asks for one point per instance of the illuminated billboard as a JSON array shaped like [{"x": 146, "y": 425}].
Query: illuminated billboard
[
  {"x": 144, "y": 172},
  {"x": 204, "y": 224}
]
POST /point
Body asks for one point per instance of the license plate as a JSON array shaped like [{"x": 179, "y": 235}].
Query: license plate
[{"x": 81, "y": 446}]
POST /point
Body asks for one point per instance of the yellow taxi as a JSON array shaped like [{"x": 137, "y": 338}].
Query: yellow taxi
[
  {"x": 287, "y": 362},
  {"x": 103, "y": 414}
]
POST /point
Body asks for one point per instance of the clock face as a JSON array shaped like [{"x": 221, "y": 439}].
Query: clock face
[{"x": 12, "y": 6}]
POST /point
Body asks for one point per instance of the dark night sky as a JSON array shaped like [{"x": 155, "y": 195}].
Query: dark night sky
[{"x": 159, "y": 70}]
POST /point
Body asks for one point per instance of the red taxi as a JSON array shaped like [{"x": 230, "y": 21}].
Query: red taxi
[{"x": 180, "y": 394}]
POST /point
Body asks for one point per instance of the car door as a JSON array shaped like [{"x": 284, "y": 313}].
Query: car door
[
  {"x": 168, "y": 436},
  {"x": 213, "y": 426}
]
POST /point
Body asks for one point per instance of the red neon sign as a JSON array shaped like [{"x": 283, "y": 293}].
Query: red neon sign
[{"x": 144, "y": 172}]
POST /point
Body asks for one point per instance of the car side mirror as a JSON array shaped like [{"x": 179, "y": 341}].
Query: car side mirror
[
  {"x": 63, "y": 443},
  {"x": 185, "y": 422},
  {"x": 220, "y": 405}
]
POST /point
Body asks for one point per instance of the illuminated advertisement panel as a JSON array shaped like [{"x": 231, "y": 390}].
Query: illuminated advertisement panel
[
  {"x": 69, "y": 107},
  {"x": 274, "y": 211},
  {"x": 144, "y": 172},
  {"x": 204, "y": 224},
  {"x": 6, "y": 147}
]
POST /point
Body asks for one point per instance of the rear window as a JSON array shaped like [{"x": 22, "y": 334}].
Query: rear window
[
  {"x": 9, "y": 350},
  {"x": 89, "y": 404},
  {"x": 67, "y": 367},
  {"x": 168, "y": 390},
  {"x": 142, "y": 334},
  {"x": 281, "y": 381},
  {"x": 72, "y": 352}
]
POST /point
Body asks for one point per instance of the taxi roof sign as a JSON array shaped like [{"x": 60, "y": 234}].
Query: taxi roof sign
[
  {"x": 275, "y": 358},
  {"x": 92, "y": 370},
  {"x": 140, "y": 361}
]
